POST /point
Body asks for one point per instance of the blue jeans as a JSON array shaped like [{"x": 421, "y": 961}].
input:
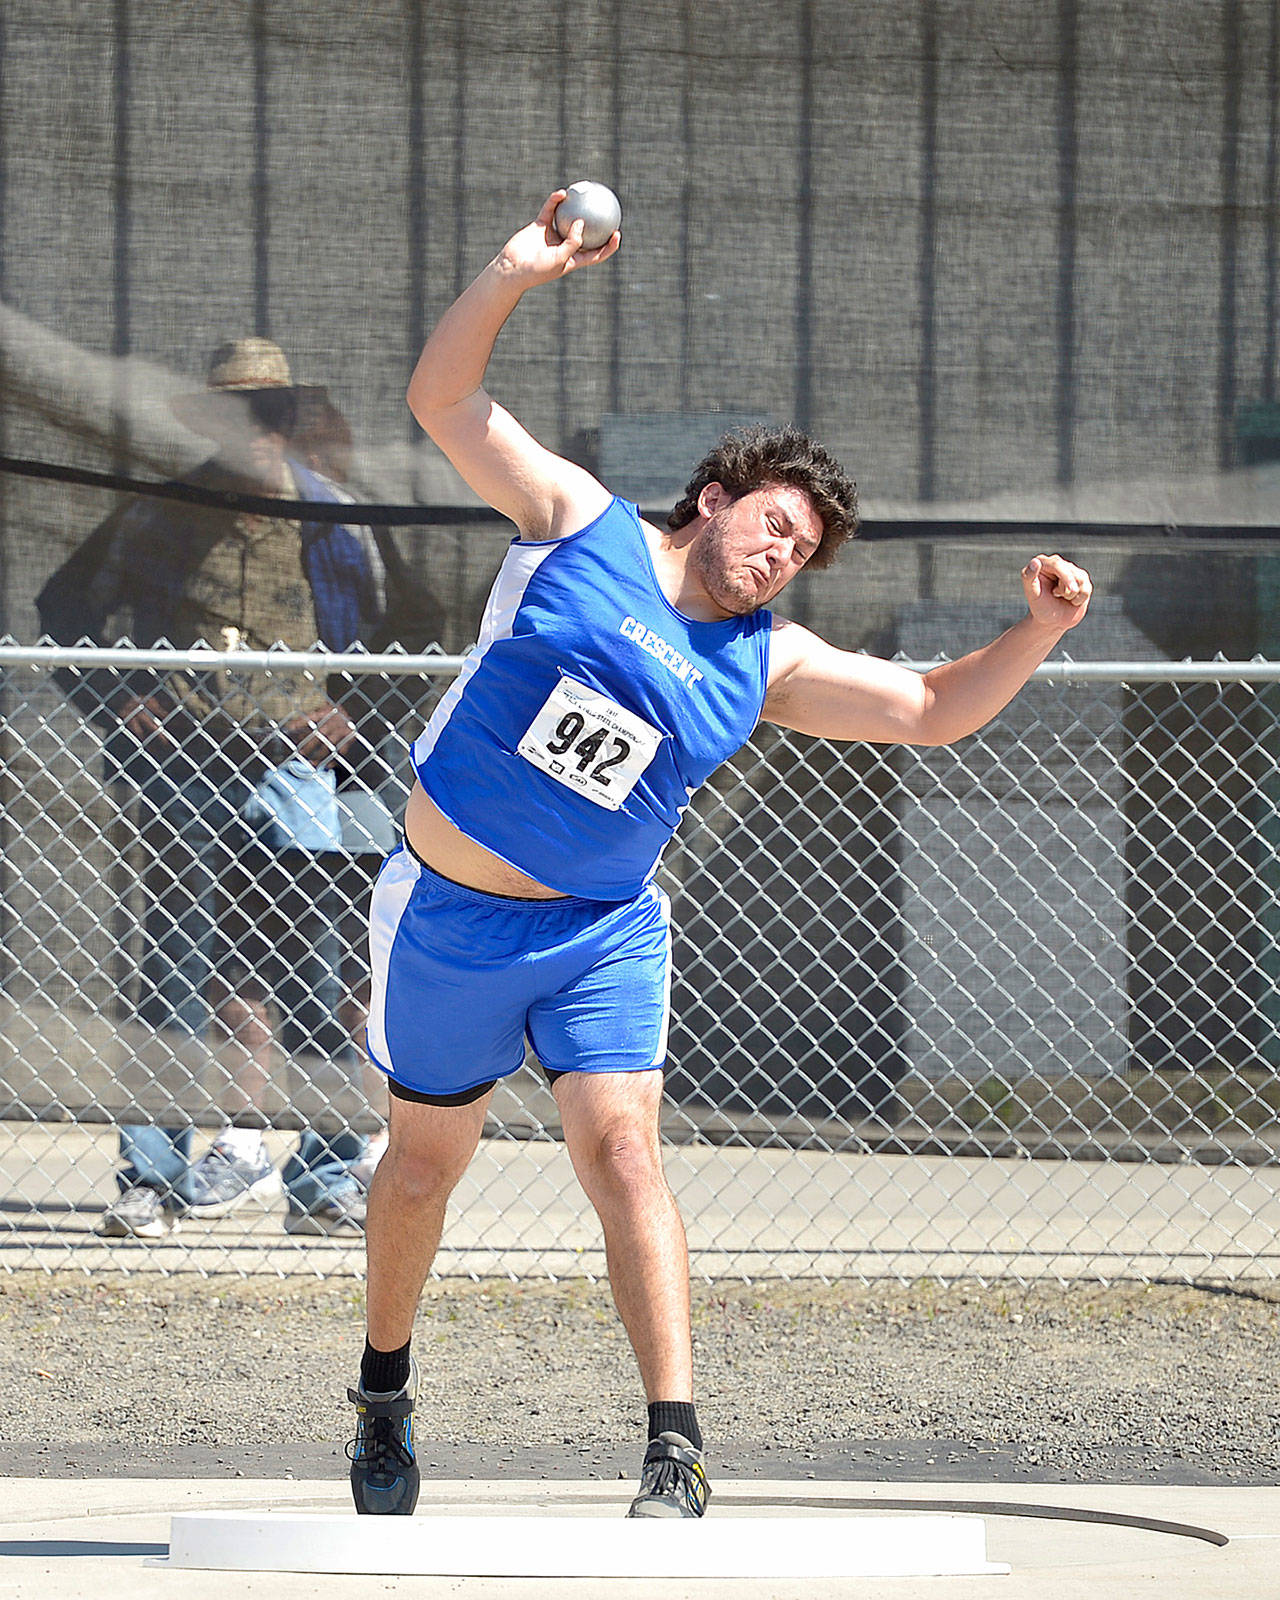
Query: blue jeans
[
  {"x": 160, "y": 1158},
  {"x": 264, "y": 921},
  {"x": 319, "y": 1170}
]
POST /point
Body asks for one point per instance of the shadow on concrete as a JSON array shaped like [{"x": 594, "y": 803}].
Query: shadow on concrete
[{"x": 80, "y": 1547}]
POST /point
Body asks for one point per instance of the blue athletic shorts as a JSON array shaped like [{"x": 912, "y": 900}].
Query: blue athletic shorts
[{"x": 461, "y": 978}]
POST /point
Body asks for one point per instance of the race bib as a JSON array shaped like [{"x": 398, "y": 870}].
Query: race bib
[{"x": 592, "y": 746}]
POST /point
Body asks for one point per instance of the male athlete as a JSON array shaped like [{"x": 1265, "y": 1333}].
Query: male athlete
[{"x": 617, "y": 665}]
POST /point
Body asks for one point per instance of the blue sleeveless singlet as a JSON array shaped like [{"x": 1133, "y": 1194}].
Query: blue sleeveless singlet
[{"x": 589, "y": 711}]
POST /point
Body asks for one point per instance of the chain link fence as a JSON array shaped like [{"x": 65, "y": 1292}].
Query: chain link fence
[{"x": 1003, "y": 1009}]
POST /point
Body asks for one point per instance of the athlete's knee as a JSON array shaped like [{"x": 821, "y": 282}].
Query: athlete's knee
[
  {"x": 421, "y": 1172},
  {"x": 623, "y": 1158}
]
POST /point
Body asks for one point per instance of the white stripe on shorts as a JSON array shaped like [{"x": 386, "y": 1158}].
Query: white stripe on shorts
[
  {"x": 400, "y": 872},
  {"x": 665, "y": 902}
]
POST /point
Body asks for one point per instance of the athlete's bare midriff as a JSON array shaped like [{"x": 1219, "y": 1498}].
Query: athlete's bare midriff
[{"x": 448, "y": 851}]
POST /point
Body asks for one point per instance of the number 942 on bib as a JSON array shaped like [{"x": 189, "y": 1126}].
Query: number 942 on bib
[{"x": 590, "y": 744}]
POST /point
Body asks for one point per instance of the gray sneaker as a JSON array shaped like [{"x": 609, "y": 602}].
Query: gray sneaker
[
  {"x": 384, "y": 1469},
  {"x": 220, "y": 1182},
  {"x": 139, "y": 1213},
  {"x": 673, "y": 1482},
  {"x": 343, "y": 1215}
]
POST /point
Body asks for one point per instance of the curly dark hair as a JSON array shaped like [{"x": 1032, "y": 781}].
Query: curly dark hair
[{"x": 749, "y": 458}]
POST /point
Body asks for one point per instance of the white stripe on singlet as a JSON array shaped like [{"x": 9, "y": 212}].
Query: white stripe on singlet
[{"x": 516, "y": 573}]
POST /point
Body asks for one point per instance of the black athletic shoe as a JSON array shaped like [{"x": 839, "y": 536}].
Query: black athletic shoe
[
  {"x": 384, "y": 1474},
  {"x": 672, "y": 1482}
]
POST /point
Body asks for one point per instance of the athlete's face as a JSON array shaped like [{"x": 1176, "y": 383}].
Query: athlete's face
[{"x": 749, "y": 549}]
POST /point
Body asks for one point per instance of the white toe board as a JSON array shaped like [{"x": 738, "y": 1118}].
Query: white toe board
[{"x": 584, "y": 1546}]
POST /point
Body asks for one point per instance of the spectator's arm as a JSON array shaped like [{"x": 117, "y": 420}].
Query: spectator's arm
[{"x": 76, "y": 603}]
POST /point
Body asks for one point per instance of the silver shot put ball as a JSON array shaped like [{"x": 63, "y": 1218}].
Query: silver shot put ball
[{"x": 596, "y": 205}]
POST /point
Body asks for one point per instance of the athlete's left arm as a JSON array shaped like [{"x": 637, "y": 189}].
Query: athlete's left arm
[{"x": 816, "y": 688}]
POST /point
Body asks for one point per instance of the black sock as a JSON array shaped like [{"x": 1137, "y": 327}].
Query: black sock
[
  {"x": 675, "y": 1416},
  {"x": 384, "y": 1371}
]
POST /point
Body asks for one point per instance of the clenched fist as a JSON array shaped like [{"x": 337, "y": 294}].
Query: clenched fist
[{"x": 1057, "y": 591}]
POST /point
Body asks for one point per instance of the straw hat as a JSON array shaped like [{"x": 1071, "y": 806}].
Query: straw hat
[{"x": 237, "y": 370}]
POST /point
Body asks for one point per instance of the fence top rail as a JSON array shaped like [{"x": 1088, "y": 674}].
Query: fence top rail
[
  {"x": 321, "y": 662},
  {"x": 436, "y": 664}
]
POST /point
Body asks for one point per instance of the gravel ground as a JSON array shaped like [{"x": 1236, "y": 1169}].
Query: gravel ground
[{"x": 199, "y": 1377}]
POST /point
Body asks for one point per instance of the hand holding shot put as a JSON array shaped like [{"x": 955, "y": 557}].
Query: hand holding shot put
[
  {"x": 620, "y": 664},
  {"x": 541, "y": 252}
]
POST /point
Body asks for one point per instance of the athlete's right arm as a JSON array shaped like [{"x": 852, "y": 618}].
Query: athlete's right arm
[{"x": 544, "y": 495}]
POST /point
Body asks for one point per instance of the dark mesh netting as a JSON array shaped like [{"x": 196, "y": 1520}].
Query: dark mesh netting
[
  {"x": 1016, "y": 264},
  {"x": 1012, "y": 262}
]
